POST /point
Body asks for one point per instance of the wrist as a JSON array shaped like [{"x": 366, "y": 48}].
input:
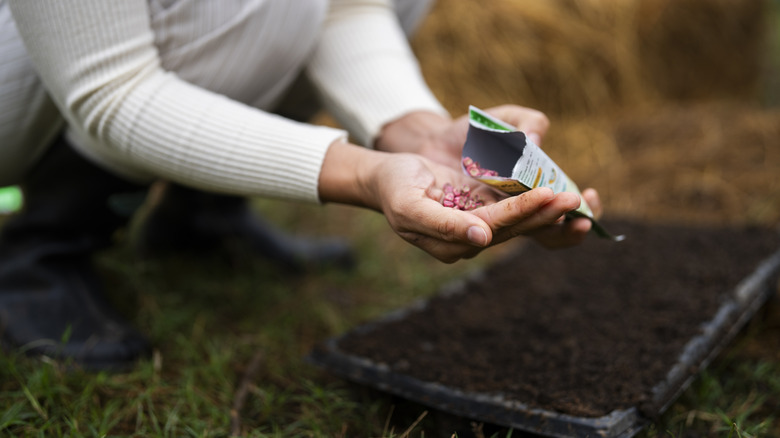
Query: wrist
[{"x": 347, "y": 175}]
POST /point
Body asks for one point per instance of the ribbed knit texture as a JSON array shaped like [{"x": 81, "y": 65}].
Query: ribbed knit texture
[
  {"x": 383, "y": 80},
  {"x": 100, "y": 61},
  {"x": 29, "y": 120}
]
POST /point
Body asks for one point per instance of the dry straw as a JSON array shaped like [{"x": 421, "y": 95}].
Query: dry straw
[
  {"x": 574, "y": 57},
  {"x": 651, "y": 101}
]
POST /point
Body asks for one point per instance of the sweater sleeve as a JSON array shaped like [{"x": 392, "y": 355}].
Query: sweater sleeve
[
  {"x": 365, "y": 69},
  {"x": 98, "y": 62}
]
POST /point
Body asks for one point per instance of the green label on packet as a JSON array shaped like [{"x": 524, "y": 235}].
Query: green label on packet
[
  {"x": 10, "y": 199},
  {"x": 517, "y": 163},
  {"x": 484, "y": 120}
]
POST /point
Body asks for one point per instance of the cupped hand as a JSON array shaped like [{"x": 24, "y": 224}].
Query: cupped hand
[{"x": 409, "y": 189}]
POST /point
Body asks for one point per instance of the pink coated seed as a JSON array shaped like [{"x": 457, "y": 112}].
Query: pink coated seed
[
  {"x": 474, "y": 169},
  {"x": 460, "y": 198}
]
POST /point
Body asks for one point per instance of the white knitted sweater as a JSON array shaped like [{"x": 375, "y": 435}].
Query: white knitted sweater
[{"x": 182, "y": 89}]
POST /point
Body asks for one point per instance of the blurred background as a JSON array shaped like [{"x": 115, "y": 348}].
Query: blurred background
[{"x": 670, "y": 108}]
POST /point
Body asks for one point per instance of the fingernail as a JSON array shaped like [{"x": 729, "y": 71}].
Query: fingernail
[
  {"x": 535, "y": 138},
  {"x": 477, "y": 236}
]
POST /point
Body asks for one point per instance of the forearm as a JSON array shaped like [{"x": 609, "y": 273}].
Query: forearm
[{"x": 99, "y": 63}]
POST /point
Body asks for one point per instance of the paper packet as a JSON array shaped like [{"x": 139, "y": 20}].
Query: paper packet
[{"x": 516, "y": 164}]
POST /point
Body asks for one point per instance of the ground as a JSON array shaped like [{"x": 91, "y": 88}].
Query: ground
[{"x": 669, "y": 109}]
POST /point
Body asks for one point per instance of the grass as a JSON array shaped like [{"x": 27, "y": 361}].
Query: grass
[
  {"x": 230, "y": 336},
  {"x": 220, "y": 327},
  {"x": 207, "y": 320},
  {"x": 736, "y": 396}
]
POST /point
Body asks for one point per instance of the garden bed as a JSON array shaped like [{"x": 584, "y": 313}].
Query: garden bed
[{"x": 590, "y": 341}]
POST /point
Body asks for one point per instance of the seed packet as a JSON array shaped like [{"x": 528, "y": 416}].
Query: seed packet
[{"x": 499, "y": 155}]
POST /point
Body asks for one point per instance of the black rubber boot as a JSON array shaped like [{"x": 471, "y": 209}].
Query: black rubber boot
[
  {"x": 51, "y": 299},
  {"x": 193, "y": 221}
]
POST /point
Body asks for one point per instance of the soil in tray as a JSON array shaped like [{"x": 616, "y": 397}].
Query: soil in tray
[{"x": 583, "y": 331}]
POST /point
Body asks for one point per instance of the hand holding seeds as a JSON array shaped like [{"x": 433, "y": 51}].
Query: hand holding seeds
[
  {"x": 409, "y": 188},
  {"x": 562, "y": 235}
]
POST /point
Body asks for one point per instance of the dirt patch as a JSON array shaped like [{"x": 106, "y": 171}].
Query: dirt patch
[
  {"x": 584, "y": 331},
  {"x": 650, "y": 110}
]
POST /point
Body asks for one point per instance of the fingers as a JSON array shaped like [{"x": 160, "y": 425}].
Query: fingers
[
  {"x": 428, "y": 218},
  {"x": 446, "y": 233},
  {"x": 566, "y": 234},
  {"x": 532, "y": 122},
  {"x": 527, "y": 212},
  {"x": 591, "y": 198},
  {"x": 573, "y": 231},
  {"x": 448, "y": 142},
  {"x": 411, "y": 196},
  {"x": 450, "y": 235}
]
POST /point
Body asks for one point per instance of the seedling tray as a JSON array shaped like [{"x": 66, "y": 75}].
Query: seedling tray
[{"x": 742, "y": 264}]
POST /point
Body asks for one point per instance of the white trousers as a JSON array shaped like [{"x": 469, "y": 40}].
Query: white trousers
[{"x": 30, "y": 121}]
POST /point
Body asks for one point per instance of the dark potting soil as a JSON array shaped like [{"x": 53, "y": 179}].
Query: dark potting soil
[{"x": 581, "y": 331}]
